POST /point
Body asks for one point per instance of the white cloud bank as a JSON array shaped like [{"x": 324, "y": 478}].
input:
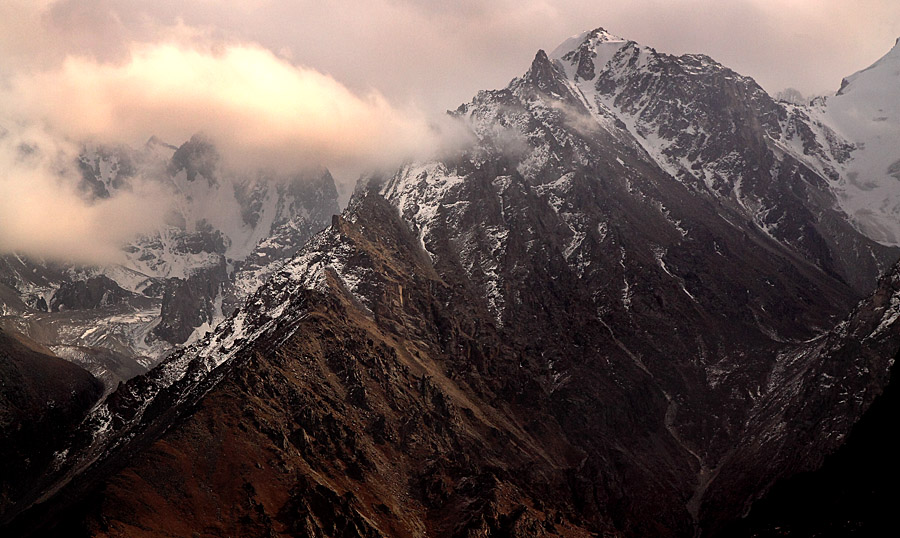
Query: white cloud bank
[
  {"x": 43, "y": 215},
  {"x": 261, "y": 111}
]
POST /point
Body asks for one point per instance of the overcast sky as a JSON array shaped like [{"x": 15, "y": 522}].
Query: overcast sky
[
  {"x": 351, "y": 84},
  {"x": 439, "y": 53}
]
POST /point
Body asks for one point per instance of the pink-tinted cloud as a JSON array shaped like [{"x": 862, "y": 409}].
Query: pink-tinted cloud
[
  {"x": 42, "y": 214},
  {"x": 261, "y": 110},
  {"x": 440, "y": 53}
]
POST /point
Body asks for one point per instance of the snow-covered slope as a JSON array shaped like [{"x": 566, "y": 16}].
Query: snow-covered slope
[{"x": 866, "y": 112}]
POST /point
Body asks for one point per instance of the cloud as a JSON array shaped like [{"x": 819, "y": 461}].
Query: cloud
[
  {"x": 42, "y": 214},
  {"x": 440, "y": 53},
  {"x": 261, "y": 110}
]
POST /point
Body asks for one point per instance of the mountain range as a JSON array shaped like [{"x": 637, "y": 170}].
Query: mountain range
[{"x": 642, "y": 300}]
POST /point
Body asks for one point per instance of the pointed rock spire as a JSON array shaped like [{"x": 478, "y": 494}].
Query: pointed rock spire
[
  {"x": 548, "y": 78},
  {"x": 541, "y": 70}
]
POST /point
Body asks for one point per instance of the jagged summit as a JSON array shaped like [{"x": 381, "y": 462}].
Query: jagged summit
[
  {"x": 545, "y": 76},
  {"x": 595, "y": 36},
  {"x": 588, "y": 52},
  {"x": 540, "y": 63},
  {"x": 703, "y": 124}
]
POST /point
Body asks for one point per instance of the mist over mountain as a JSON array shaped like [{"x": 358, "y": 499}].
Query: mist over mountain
[
  {"x": 212, "y": 237},
  {"x": 635, "y": 297}
]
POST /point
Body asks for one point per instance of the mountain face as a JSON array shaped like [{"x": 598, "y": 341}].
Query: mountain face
[
  {"x": 722, "y": 136},
  {"x": 224, "y": 236},
  {"x": 629, "y": 309}
]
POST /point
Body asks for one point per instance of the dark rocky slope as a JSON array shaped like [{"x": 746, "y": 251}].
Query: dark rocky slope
[
  {"x": 408, "y": 416},
  {"x": 820, "y": 390},
  {"x": 42, "y": 398},
  {"x": 853, "y": 494}
]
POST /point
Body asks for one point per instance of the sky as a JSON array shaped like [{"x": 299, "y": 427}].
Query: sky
[
  {"x": 351, "y": 84},
  {"x": 439, "y": 53}
]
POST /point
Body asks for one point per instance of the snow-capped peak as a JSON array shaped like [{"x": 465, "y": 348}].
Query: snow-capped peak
[
  {"x": 886, "y": 67},
  {"x": 866, "y": 111},
  {"x": 591, "y": 38},
  {"x": 584, "y": 55}
]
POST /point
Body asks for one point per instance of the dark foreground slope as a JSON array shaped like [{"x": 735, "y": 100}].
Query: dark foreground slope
[
  {"x": 407, "y": 416},
  {"x": 854, "y": 493},
  {"x": 42, "y": 398},
  {"x": 822, "y": 388}
]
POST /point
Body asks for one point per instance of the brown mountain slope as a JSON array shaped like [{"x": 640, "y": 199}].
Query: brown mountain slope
[{"x": 382, "y": 420}]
